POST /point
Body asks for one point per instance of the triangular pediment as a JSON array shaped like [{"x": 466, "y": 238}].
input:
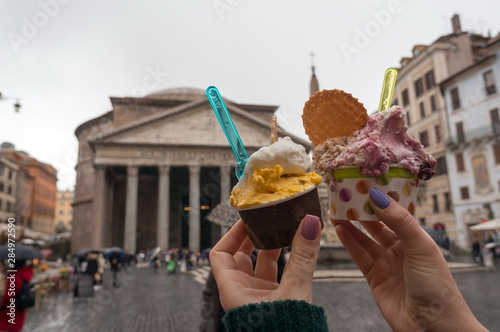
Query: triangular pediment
[{"x": 193, "y": 124}]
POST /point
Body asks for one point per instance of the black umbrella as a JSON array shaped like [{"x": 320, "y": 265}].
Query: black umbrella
[
  {"x": 19, "y": 252},
  {"x": 224, "y": 215},
  {"x": 113, "y": 251}
]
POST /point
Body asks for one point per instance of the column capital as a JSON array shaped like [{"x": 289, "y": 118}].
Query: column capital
[
  {"x": 164, "y": 170},
  {"x": 100, "y": 167},
  {"x": 194, "y": 170},
  {"x": 132, "y": 170}
]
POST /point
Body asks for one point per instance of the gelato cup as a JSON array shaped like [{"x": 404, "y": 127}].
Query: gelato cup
[
  {"x": 349, "y": 200},
  {"x": 273, "y": 224}
]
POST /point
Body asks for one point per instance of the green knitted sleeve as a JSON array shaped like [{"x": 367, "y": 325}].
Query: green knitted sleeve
[{"x": 288, "y": 315}]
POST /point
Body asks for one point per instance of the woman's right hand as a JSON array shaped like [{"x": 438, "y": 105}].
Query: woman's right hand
[{"x": 407, "y": 273}]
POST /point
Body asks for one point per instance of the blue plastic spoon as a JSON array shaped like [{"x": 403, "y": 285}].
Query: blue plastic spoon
[{"x": 229, "y": 129}]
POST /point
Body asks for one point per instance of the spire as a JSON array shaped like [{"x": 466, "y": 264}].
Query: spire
[{"x": 314, "y": 85}]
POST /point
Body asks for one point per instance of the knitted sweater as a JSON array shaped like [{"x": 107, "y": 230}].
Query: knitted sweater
[{"x": 288, "y": 315}]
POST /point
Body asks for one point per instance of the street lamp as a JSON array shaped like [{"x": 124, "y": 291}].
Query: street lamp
[{"x": 17, "y": 105}]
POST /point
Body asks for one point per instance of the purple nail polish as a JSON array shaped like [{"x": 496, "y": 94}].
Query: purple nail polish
[
  {"x": 310, "y": 227},
  {"x": 379, "y": 198}
]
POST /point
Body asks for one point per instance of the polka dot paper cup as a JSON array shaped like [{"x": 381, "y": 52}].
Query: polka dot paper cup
[{"x": 349, "y": 201}]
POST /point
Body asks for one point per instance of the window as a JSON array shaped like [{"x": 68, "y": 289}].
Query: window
[
  {"x": 422, "y": 109},
  {"x": 460, "y": 132},
  {"x": 8, "y": 206},
  {"x": 455, "y": 98},
  {"x": 447, "y": 202},
  {"x": 495, "y": 121},
  {"x": 419, "y": 87},
  {"x": 61, "y": 212},
  {"x": 429, "y": 79},
  {"x": 496, "y": 152},
  {"x": 437, "y": 133},
  {"x": 9, "y": 190},
  {"x": 1, "y": 169},
  {"x": 441, "y": 166},
  {"x": 9, "y": 175},
  {"x": 435, "y": 205},
  {"x": 424, "y": 139},
  {"x": 489, "y": 82},
  {"x": 406, "y": 98},
  {"x": 433, "y": 103},
  {"x": 464, "y": 192},
  {"x": 459, "y": 157},
  {"x": 1, "y": 205},
  {"x": 408, "y": 122},
  {"x": 1, "y": 187}
]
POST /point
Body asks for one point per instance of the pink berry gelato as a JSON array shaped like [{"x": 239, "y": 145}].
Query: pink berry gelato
[{"x": 383, "y": 142}]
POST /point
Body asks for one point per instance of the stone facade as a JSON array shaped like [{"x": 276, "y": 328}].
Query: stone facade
[
  {"x": 473, "y": 155},
  {"x": 36, "y": 191},
  {"x": 8, "y": 188},
  {"x": 64, "y": 211},
  {"x": 150, "y": 170},
  {"x": 418, "y": 91}
]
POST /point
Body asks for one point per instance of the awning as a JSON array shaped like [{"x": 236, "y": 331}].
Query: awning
[{"x": 489, "y": 225}]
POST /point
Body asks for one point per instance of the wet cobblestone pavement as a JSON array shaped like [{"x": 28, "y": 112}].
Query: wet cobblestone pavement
[{"x": 159, "y": 302}]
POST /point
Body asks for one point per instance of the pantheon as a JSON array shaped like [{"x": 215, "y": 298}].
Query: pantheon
[{"x": 151, "y": 169}]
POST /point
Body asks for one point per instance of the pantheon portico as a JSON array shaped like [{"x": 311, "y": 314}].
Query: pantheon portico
[{"x": 152, "y": 168}]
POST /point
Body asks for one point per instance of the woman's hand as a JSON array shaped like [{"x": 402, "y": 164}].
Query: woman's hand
[
  {"x": 406, "y": 271},
  {"x": 240, "y": 284}
]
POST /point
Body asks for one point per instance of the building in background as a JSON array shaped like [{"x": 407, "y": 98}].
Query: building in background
[
  {"x": 37, "y": 191},
  {"x": 8, "y": 188},
  {"x": 64, "y": 211},
  {"x": 418, "y": 91},
  {"x": 473, "y": 156},
  {"x": 150, "y": 170}
]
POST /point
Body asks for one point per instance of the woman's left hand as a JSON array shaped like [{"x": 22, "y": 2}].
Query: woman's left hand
[{"x": 239, "y": 284}]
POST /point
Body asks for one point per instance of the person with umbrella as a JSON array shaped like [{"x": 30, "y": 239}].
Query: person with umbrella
[
  {"x": 12, "y": 319},
  {"x": 115, "y": 259}
]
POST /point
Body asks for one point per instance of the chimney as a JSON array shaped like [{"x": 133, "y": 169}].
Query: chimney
[{"x": 455, "y": 23}]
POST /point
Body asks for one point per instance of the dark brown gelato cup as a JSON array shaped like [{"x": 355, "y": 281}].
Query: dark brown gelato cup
[{"x": 273, "y": 225}]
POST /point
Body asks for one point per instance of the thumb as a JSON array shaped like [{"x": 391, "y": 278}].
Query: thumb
[{"x": 298, "y": 274}]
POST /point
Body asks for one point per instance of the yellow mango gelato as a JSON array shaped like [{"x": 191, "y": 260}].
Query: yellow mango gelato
[{"x": 271, "y": 184}]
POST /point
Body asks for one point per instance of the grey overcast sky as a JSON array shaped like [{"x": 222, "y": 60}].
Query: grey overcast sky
[{"x": 65, "y": 58}]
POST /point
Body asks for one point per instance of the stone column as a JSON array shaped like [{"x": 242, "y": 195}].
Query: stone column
[
  {"x": 225, "y": 190},
  {"x": 194, "y": 211},
  {"x": 162, "y": 232},
  {"x": 99, "y": 203},
  {"x": 131, "y": 209}
]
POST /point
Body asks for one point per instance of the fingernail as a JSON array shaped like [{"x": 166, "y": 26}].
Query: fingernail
[
  {"x": 379, "y": 198},
  {"x": 310, "y": 227}
]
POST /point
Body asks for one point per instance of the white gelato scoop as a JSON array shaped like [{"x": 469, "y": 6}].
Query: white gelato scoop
[{"x": 290, "y": 156}]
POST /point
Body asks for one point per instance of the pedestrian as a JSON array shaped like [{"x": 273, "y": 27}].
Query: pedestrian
[
  {"x": 156, "y": 264},
  {"x": 402, "y": 264},
  {"x": 101, "y": 263},
  {"x": 476, "y": 251},
  {"x": 12, "y": 319},
  {"x": 172, "y": 264},
  {"x": 115, "y": 261},
  {"x": 92, "y": 267}
]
